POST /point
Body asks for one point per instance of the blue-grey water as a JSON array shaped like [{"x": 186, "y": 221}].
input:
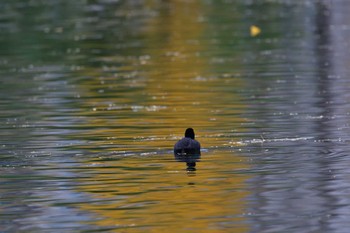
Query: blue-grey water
[{"x": 94, "y": 94}]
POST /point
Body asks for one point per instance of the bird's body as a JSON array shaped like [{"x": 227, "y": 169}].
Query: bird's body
[{"x": 188, "y": 145}]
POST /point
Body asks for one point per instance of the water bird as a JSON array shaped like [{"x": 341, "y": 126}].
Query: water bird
[
  {"x": 188, "y": 145},
  {"x": 188, "y": 149}
]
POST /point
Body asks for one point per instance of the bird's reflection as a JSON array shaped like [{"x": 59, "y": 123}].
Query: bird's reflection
[{"x": 189, "y": 158}]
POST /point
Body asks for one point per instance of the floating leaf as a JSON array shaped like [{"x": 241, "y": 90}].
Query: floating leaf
[{"x": 254, "y": 30}]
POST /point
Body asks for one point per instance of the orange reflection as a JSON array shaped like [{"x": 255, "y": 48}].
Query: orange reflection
[{"x": 156, "y": 194}]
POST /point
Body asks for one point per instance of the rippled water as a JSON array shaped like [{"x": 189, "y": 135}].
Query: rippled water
[{"x": 94, "y": 94}]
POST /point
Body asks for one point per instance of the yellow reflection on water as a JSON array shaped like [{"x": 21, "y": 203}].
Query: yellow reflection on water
[
  {"x": 157, "y": 194},
  {"x": 178, "y": 66}
]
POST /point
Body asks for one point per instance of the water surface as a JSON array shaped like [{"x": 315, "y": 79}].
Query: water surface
[{"x": 94, "y": 94}]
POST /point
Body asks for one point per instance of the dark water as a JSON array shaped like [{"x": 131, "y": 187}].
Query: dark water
[{"x": 94, "y": 94}]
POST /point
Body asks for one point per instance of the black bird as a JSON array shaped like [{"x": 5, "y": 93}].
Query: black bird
[
  {"x": 188, "y": 149},
  {"x": 188, "y": 145}
]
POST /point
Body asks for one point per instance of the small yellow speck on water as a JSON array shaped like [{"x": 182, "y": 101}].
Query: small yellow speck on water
[{"x": 254, "y": 30}]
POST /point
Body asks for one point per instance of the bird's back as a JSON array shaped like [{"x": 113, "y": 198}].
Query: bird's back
[{"x": 187, "y": 146}]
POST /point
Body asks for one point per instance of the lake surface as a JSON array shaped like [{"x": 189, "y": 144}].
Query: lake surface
[{"x": 94, "y": 94}]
